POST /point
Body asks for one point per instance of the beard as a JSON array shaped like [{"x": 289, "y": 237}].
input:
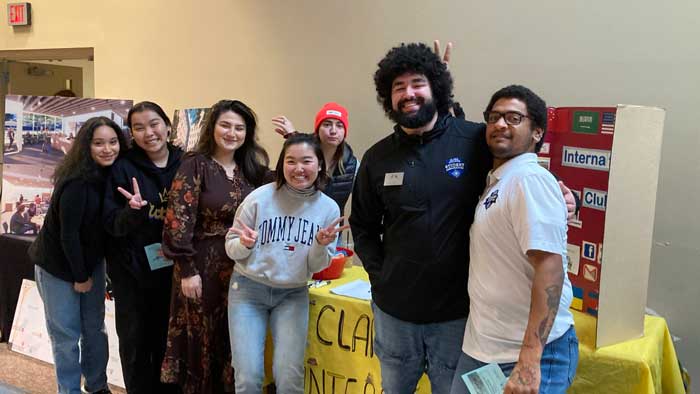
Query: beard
[{"x": 414, "y": 120}]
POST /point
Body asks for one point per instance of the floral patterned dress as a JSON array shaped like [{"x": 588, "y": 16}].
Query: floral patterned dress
[{"x": 202, "y": 205}]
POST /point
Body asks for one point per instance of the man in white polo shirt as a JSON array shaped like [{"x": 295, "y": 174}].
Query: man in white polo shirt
[{"x": 519, "y": 292}]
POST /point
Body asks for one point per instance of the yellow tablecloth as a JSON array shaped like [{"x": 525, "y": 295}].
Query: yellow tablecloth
[
  {"x": 638, "y": 366},
  {"x": 340, "y": 357}
]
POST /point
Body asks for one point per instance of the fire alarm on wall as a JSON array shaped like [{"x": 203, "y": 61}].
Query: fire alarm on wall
[{"x": 19, "y": 14}]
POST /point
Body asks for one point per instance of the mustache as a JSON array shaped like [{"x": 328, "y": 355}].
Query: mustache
[{"x": 417, "y": 100}]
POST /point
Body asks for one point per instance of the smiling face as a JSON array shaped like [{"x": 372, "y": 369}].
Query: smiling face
[
  {"x": 412, "y": 100},
  {"x": 331, "y": 132},
  {"x": 229, "y": 132},
  {"x": 104, "y": 146},
  {"x": 301, "y": 166},
  {"x": 149, "y": 131},
  {"x": 507, "y": 141}
]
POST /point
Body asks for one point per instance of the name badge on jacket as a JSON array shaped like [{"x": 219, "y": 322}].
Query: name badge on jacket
[{"x": 393, "y": 179}]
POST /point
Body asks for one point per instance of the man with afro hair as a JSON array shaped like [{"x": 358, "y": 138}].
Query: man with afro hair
[{"x": 413, "y": 203}]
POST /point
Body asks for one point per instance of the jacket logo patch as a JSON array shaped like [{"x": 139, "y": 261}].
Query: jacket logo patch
[
  {"x": 491, "y": 199},
  {"x": 454, "y": 167}
]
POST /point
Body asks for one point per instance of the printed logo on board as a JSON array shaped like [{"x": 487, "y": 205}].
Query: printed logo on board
[
  {"x": 595, "y": 199},
  {"x": 590, "y": 272},
  {"x": 592, "y": 159},
  {"x": 588, "y": 250},
  {"x": 454, "y": 167}
]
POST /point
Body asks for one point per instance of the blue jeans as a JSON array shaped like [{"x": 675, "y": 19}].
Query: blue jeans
[
  {"x": 406, "y": 350},
  {"x": 251, "y": 305},
  {"x": 73, "y": 318},
  {"x": 557, "y": 366}
]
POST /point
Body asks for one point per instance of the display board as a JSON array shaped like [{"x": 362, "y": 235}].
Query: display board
[
  {"x": 606, "y": 154},
  {"x": 29, "y": 335},
  {"x": 187, "y": 125}
]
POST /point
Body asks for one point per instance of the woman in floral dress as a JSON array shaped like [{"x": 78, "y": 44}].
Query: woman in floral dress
[{"x": 227, "y": 164}]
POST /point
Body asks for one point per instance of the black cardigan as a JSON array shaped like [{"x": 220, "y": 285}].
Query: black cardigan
[{"x": 71, "y": 243}]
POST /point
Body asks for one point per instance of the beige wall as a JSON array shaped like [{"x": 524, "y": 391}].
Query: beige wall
[
  {"x": 291, "y": 56},
  {"x": 48, "y": 78},
  {"x": 88, "y": 73}
]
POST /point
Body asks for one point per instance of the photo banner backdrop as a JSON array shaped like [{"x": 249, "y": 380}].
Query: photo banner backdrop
[
  {"x": 609, "y": 157},
  {"x": 187, "y": 125},
  {"x": 38, "y": 132}
]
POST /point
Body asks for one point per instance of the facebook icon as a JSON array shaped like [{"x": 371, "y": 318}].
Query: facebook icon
[{"x": 588, "y": 250}]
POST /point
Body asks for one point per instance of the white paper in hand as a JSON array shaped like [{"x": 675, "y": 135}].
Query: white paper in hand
[{"x": 488, "y": 379}]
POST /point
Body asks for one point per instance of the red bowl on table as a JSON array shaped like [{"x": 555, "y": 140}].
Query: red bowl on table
[{"x": 337, "y": 265}]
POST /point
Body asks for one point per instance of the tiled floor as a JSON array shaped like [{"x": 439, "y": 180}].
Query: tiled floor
[{"x": 22, "y": 374}]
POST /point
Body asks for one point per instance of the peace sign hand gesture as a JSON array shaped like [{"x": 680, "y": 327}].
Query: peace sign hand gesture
[
  {"x": 448, "y": 51},
  {"x": 135, "y": 200},
  {"x": 327, "y": 235},
  {"x": 247, "y": 236}
]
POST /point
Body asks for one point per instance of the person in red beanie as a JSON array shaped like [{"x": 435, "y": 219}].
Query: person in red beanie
[{"x": 331, "y": 126}]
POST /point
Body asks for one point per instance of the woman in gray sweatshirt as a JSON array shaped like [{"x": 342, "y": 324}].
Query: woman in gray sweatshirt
[{"x": 283, "y": 233}]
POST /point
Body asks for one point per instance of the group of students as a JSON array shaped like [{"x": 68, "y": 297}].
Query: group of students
[
  {"x": 180, "y": 324},
  {"x": 443, "y": 210}
]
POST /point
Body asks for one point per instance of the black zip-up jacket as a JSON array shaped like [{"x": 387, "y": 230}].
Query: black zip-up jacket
[
  {"x": 133, "y": 229},
  {"x": 412, "y": 234},
  {"x": 71, "y": 243},
  {"x": 340, "y": 185}
]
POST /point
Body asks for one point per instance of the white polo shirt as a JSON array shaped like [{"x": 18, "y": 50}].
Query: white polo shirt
[{"x": 521, "y": 209}]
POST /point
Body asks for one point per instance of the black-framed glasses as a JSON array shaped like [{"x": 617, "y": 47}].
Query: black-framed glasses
[{"x": 512, "y": 118}]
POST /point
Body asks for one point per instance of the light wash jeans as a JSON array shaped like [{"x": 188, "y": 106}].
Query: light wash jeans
[
  {"x": 406, "y": 350},
  {"x": 251, "y": 306},
  {"x": 557, "y": 366},
  {"x": 74, "y": 318}
]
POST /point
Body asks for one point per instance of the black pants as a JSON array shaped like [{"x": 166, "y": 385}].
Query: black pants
[{"x": 142, "y": 311}]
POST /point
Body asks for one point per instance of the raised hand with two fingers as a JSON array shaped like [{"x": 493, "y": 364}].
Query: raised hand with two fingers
[
  {"x": 448, "y": 51},
  {"x": 246, "y": 235},
  {"x": 324, "y": 236},
  {"x": 135, "y": 199}
]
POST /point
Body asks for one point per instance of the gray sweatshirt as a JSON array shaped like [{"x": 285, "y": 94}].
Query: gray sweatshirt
[{"x": 286, "y": 252}]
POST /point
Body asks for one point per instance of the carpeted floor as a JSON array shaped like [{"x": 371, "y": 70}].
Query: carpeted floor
[{"x": 22, "y": 374}]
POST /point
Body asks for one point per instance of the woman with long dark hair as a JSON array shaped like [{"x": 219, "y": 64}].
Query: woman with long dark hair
[
  {"x": 227, "y": 164},
  {"x": 69, "y": 256},
  {"x": 134, "y": 208}
]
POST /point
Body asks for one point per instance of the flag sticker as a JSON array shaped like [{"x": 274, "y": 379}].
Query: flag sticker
[{"x": 608, "y": 125}]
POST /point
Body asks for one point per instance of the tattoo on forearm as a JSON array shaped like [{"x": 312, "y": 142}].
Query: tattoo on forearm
[
  {"x": 553, "y": 296},
  {"x": 524, "y": 376}
]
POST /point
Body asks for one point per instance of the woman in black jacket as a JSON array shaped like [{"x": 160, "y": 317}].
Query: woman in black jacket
[
  {"x": 69, "y": 257},
  {"x": 135, "y": 203}
]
